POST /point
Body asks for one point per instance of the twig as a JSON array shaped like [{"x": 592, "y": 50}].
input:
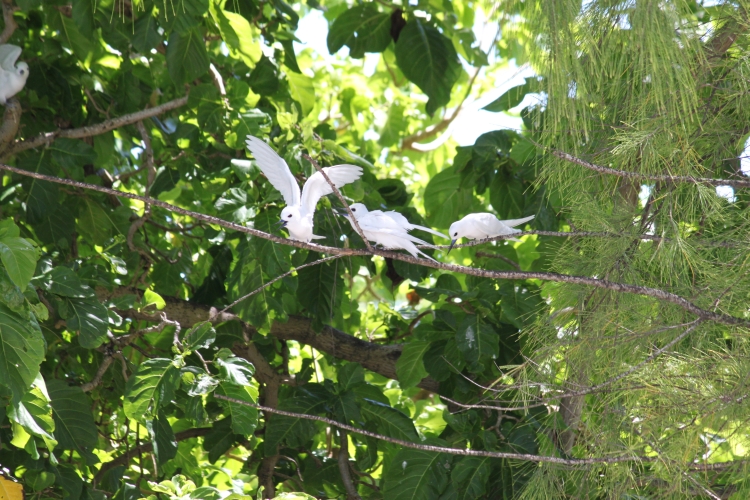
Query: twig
[
  {"x": 482, "y": 273},
  {"x": 342, "y": 200},
  {"x": 106, "y": 362},
  {"x": 277, "y": 278},
  {"x": 343, "y": 460},
  {"x": 444, "y": 449},
  {"x": 738, "y": 183},
  {"x": 47, "y": 138}
]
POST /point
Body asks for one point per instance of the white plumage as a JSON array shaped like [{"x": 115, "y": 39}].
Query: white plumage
[
  {"x": 297, "y": 216},
  {"x": 385, "y": 230},
  {"x": 484, "y": 225},
  {"x": 12, "y": 76}
]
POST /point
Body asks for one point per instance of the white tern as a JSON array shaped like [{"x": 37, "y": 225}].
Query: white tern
[
  {"x": 12, "y": 76},
  {"x": 297, "y": 216},
  {"x": 483, "y": 225},
  {"x": 397, "y": 217},
  {"x": 384, "y": 230}
]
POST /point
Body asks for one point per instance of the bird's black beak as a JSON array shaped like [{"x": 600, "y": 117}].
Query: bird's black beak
[
  {"x": 453, "y": 242},
  {"x": 340, "y": 212},
  {"x": 281, "y": 223}
]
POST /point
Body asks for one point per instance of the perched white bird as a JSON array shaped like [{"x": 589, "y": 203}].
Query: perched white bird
[
  {"x": 384, "y": 230},
  {"x": 12, "y": 76},
  {"x": 297, "y": 216},
  {"x": 483, "y": 225},
  {"x": 397, "y": 217}
]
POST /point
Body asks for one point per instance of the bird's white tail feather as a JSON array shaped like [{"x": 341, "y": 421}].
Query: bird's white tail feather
[
  {"x": 436, "y": 233},
  {"x": 517, "y": 222}
]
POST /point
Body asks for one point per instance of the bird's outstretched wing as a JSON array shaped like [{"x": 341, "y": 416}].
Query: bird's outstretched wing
[
  {"x": 275, "y": 169},
  {"x": 316, "y": 186},
  {"x": 9, "y": 54}
]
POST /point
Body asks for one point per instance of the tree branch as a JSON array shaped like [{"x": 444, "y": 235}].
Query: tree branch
[
  {"x": 10, "y": 22},
  {"x": 343, "y": 460},
  {"x": 11, "y": 122},
  {"x": 481, "y": 273},
  {"x": 443, "y": 449},
  {"x": 47, "y": 138}
]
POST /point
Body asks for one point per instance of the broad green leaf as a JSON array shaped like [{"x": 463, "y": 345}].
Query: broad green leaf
[
  {"x": 470, "y": 475},
  {"x": 162, "y": 436},
  {"x": 427, "y": 58},
  {"x": 309, "y": 399},
  {"x": 34, "y": 414},
  {"x": 444, "y": 200},
  {"x": 146, "y": 35},
  {"x": 512, "y": 97},
  {"x": 490, "y": 147},
  {"x": 10, "y": 294},
  {"x": 239, "y": 35},
  {"x": 89, "y": 317},
  {"x": 19, "y": 259},
  {"x": 71, "y": 35},
  {"x": 319, "y": 288},
  {"x": 186, "y": 56},
  {"x": 244, "y": 418},
  {"x": 263, "y": 77},
  {"x": 389, "y": 421},
  {"x": 234, "y": 369},
  {"x": 395, "y": 125},
  {"x": 416, "y": 475},
  {"x": 410, "y": 368},
  {"x": 506, "y": 196},
  {"x": 200, "y": 336},
  {"x": 94, "y": 223},
  {"x": 74, "y": 424},
  {"x": 302, "y": 89},
  {"x": 22, "y": 349},
  {"x": 477, "y": 341},
  {"x": 152, "y": 386},
  {"x": 232, "y": 206},
  {"x": 345, "y": 407},
  {"x": 43, "y": 196},
  {"x": 63, "y": 281},
  {"x": 362, "y": 28},
  {"x": 72, "y": 153},
  {"x": 350, "y": 375},
  {"x": 219, "y": 440}
]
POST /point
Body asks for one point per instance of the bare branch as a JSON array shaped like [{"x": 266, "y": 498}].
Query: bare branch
[
  {"x": 47, "y": 138},
  {"x": 106, "y": 362},
  {"x": 343, "y": 202},
  {"x": 11, "y": 122},
  {"x": 10, "y": 22},
  {"x": 343, "y": 460},
  {"x": 443, "y": 449}
]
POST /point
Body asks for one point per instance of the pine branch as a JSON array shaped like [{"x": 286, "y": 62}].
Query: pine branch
[
  {"x": 481, "y": 273},
  {"x": 47, "y": 138}
]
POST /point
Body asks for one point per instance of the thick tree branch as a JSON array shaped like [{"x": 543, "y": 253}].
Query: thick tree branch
[
  {"x": 11, "y": 122},
  {"x": 10, "y": 22},
  {"x": 100, "y": 128},
  {"x": 482, "y": 273}
]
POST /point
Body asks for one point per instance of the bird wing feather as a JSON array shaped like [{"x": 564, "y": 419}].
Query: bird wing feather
[
  {"x": 9, "y": 54},
  {"x": 275, "y": 169},
  {"x": 316, "y": 186}
]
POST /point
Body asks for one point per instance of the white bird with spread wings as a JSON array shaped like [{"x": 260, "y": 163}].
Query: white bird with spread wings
[
  {"x": 12, "y": 76},
  {"x": 297, "y": 216}
]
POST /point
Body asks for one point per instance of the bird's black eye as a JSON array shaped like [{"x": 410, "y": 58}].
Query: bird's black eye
[
  {"x": 455, "y": 234},
  {"x": 354, "y": 209},
  {"x": 289, "y": 216},
  {"x": 22, "y": 72}
]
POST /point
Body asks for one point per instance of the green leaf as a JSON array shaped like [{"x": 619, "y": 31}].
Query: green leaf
[
  {"x": 445, "y": 200},
  {"x": 72, "y": 153},
  {"x": 219, "y": 440},
  {"x": 83, "y": 16},
  {"x": 239, "y": 35},
  {"x": 477, "y": 341},
  {"x": 263, "y": 78},
  {"x": 302, "y": 89},
  {"x": 152, "y": 386},
  {"x": 416, "y": 475},
  {"x": 512, "y": 97},
  {"x": 19, "y": 259},
  {"x": 63, "y": 281},
  {"x": 94, "y": 223},
  {"x": 42, "y": 195},
  {"x": 200, "y": 336},
  {"x": 389, "y": 421},
  {"x": 34, "y": 414},
  {"x": 350, "y": 375},
  {"x": 88, "y": 317},
  {"x": 244, "y": 418},
  {"x": 187, "y": 58},
  {"x": 235, "y": 370},
  {"x": 145, "y": 36},
  {"x": 309, "y": 399},
  {"x": 410, "y": 368},
  {"x": 362, "y": 28},
  {"x": 162, "y": 436},
  {"x": 489, "y": 147},
  {"x": 395, "y": 126},
  {"x": 506, "y": 196},
  {"x": 470, "y": 475},
  {"x": 22, "y": 350},
  {"x": 74, "y": 424},
  {"x": 71, "y": 35},
  {"x": 317, "y": 289},
  {"x": 428, "y": 59}
]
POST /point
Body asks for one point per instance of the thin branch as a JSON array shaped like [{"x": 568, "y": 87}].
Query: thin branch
[
  {"x": 47, "y": 138},
  {"x": 277, "y": 278},
  {"x": 655, "y": 178},
  {"x": 342, "y": 200},
  {"x": 106, "y": 362},
  {"x": 444, "y": 449},
  {"x": 10, "y": 22},
  {"x": 482, "y": 273},
  {"x": 343, "y": 460}
]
